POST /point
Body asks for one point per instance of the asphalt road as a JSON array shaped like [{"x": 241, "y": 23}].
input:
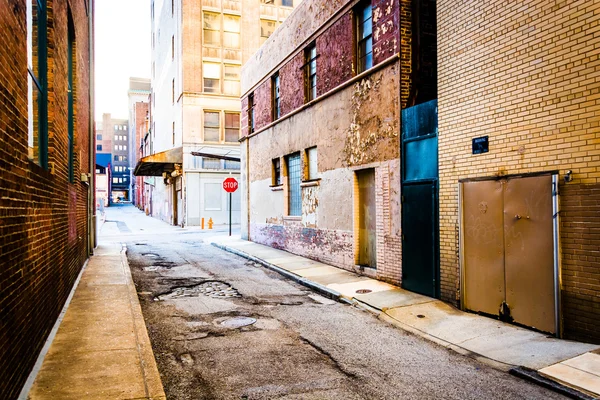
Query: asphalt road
[{"x": 225, "y": 328}]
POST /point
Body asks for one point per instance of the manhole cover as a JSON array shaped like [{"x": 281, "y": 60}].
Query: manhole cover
[
  {"x": 215, "y": 289},
  {"x": 150, "y": 255},
  {"x": 363, "y": 291},
  {"x": 238, "y": 322}
]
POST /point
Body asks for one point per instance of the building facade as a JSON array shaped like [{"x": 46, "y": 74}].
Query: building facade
[
  {"x": 112, "y": 137},
  {"x": 139, "y": 99},
  {"x": 527, "y": 79},
  {"x": 46, "y": 172},
  {"x": 321, "y": 127},
  {"x": 197, "y": 53},
  {"x": 462, "y": 164}
]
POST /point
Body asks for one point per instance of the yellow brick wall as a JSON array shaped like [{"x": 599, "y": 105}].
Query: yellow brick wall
[{"x": 527, "y": 74}]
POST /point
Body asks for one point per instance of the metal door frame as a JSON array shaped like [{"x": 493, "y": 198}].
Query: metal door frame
[{"x": 556, "y": 239}]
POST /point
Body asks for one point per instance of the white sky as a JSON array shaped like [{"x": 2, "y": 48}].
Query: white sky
[{"x": 122, "y": 51}]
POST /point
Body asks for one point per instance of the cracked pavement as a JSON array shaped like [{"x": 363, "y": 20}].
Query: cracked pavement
[{"x": 301, "y": 346}]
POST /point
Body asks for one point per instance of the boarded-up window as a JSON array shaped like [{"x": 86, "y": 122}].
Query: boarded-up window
[{"x": 311, "y": 160}]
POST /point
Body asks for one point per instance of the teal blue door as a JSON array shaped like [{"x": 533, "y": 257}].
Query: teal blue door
[{"x": 420, "y": 234}]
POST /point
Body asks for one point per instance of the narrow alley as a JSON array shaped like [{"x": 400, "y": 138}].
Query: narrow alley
[{"x": 224, "y": 327}]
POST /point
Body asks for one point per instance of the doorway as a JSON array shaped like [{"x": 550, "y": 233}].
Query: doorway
[
  {"x": 508, "y": 252},
  {"x": 367, "y": 221}
]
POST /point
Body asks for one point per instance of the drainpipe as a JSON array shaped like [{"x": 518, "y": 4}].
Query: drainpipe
[
  {"x": 92, "y": 240},
  {"x": 248, "y": 183}
]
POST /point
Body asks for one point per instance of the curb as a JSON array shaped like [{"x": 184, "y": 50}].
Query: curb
[
  {"x": 325, "y": 291},
  {"x": 534, "y": 377},
  {"x": 517, "y": 371}
]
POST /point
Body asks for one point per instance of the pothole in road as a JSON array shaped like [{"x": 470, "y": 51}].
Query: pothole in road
[
  {"x": 363, "y": 291},
  {"x": 214, "y": 289},
  {"x": 150, "y": 255}
]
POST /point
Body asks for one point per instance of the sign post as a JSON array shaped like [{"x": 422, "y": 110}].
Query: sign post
[{"x": 230, "y": 185}]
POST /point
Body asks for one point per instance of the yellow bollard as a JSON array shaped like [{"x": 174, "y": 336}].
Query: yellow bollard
[
  {"x": 202, "y": 223},
  {"x": 210, "y": 223}
]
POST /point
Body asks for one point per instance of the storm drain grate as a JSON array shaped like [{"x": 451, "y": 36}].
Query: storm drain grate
[
  {"x": 215, "y": 289},
  {"x": 363, "y": 291}
]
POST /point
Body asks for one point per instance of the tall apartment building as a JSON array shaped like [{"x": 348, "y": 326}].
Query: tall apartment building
[
  {"x": 46, "y": 172},
  {"x": 112, "y": 138},
  {"x": 198, "y": 49},
  {"x": 461, "y": 160},
  {"x": 139, "y": 98}
]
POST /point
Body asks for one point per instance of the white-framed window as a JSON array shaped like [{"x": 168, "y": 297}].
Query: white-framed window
[{"x": 212, "y": 77}]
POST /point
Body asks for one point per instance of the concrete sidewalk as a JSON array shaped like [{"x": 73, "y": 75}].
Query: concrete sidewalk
[
  {"x": 502, "y": 345},
  {"x": 101, "y": 349}
]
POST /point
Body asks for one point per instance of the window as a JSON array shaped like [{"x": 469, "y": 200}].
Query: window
[
  {"x": 71, "y": 57},
  {"x": 98, "y": 147},
  {"x": 116, "y": 158},
  {"x": 212, "y": 77},
  {"x": 232, "y": 127},
  {"x": 173, "y": 91},
  {"x": 275, "y": 94},
  {"x": 115, "y": 180},
  {"x": 231, "y": 81},
  {"x": 294, "y": 191},
  {"x": 212, "y": 29},
  {"x": 231, "y": 31},
  {"x": 311, "y": 164},
  {"x": 37, "y": 98},
  {"x": 365, "y": 37},
  {"x": 98, "y": 137},
  {"x": 211, "y": 126},
  {"x": 235, "y": 165},
  {"x": 287, "y": 3},
  {"x": 173, "y": 132},
  {"x": 276, "y": 171},
  {"x": 310, "y": 55},
  {"x": 266, "y": 29},
  {"x": 173, "y": 47},
  {"x": 125, "y": 147},
  {"x": 211, "y": 163},
  {"x": 251, "y": 112}
]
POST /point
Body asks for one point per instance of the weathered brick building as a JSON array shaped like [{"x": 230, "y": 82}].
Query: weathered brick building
[
  {"x": 463, "y": 164},
  {"x": 320, "y": 152},
  {"x": 46, "y": 167}
]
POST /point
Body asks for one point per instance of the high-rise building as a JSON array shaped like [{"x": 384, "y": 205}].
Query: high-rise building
[
  {"x": 198, "y": 49},
  {"x": 112, "y": 137}
]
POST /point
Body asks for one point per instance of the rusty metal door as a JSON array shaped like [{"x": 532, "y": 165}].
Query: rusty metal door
[
  {"x": 508, "y": 249},
  {"x": 367, "y": 251}
]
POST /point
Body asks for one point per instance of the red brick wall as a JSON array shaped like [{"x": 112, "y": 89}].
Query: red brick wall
[
  {"x": 141, "y": 111},
  {"x": 334, "y": 48},
  {"x": 580, "y": 240},
  {"x": 386, "y": 22},
  {"x": 292, "y": 84},
  {"x": 262, "y": 105},
  {"x": 43, "y": 217}
]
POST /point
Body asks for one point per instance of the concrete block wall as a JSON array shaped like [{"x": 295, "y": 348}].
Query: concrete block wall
[
  {"x": 43, "y": 217},
  {"x": 527, "y": 76}
]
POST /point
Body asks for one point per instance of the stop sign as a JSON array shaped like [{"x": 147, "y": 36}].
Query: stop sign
[{"x": 230, "y": 185}]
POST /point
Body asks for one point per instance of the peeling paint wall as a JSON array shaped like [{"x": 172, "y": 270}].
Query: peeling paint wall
[{"x": 325, "y": 230}]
